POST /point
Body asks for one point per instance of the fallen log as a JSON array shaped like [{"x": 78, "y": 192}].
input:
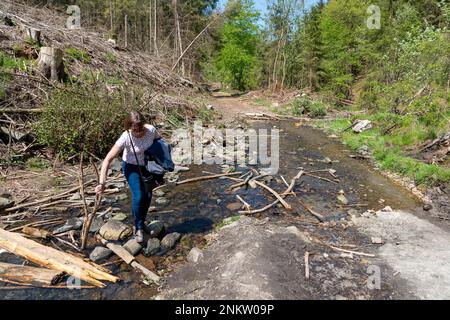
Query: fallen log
[
  {"x": 284, "y": 194},
  {"x": 284, "y": 203},
  {"x": 54, "y": 259},
  {"x": 29, "y": 276},
  {"x": 208, "y": 177},
  {"x": 246, "y": 205},
  {"x": 129, "y": 259}
]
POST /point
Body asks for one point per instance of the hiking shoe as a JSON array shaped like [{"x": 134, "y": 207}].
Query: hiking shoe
[{"x": 139, "y": 236}]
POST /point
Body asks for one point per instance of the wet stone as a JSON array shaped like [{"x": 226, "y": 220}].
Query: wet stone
[
  {"x": 153, "y": 246},
  {"x": 155, "y": 228},
  {"x": 234, "y": 206},
  {"x": 133, "y": 247},
  {"x": 115, "y": 230},
  {"x": 427, "y": 207},
  {"x": 170, "y": 240},
  {"x": 100, "y": 253}
]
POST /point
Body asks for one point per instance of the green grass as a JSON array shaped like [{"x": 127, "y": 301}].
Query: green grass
[
  {"x": 389, "y": 150},
  {"x": 111, "y": 58},
  {"x": 74, "y": 54},
  {"x": 7, "y": 65},
  {"x": 302, "y": 106},
  {"x": 37, "y": 164},
  {"x": 263, "y": 102},
  {"x": 204, "y": 115}
]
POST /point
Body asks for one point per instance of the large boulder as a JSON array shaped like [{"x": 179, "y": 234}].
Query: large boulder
[{"x": 115, "y": 230}]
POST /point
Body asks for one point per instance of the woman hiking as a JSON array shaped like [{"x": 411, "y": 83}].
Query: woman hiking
[{"x": 137, "y": 137}]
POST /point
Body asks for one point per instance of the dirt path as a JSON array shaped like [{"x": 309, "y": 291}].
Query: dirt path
[
  {"x": 264, "y": 257},
  {"x": 232, "y": 107}
]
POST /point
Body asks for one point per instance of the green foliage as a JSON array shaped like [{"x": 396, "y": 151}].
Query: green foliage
[
  {"x": 236, "y": 59},
  {"x": 388, "y": 149},
  {"x": 37, "y": 163},
  {"x": 74, "y": 54},
  {"x": 203, "y": 114},
  {"x": 227, "y": 221},
  {"x": 111, "y": 58},
  {"x": 314, "y": 109},
  {"x": 82, "y": 118},
  {"x": 8, "y": 64}
]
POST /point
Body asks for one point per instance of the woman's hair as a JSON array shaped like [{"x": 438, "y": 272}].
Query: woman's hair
[{"x": 134, "y": 118}]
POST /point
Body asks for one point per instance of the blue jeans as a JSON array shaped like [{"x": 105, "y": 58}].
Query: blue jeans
[{"x": 140, "y": 200}]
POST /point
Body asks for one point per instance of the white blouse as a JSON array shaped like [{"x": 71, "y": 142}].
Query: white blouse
[{"x": 140, "y": 144}]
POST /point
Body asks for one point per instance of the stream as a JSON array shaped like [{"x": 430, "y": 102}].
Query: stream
[{"x": 199, "y": 206}]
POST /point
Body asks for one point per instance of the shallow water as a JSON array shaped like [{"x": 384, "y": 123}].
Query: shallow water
[{"x": 196, "y": 207}]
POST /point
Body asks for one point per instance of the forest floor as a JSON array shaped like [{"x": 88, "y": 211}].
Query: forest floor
[{"x": 381, "y": 245}]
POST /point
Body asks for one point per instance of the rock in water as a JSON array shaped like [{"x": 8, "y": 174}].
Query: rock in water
[
  {"x": 195, "y": 255},
  {"x": 100, "y": 253},
  {"x": 153, "y": 246},
  {"x": 133, "y": 247},
  {"x": 169, "y": 241},
  {"x": 115, "y": 230},
  {"x": 342, "y": 199},
  {"x": 234, "y": 206},
  {"x": 155, "y": 228},
  {"x": 5, "y": 203}
]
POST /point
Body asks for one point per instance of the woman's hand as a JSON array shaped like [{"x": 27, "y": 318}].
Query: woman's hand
[{"x": 99, "y": 189}]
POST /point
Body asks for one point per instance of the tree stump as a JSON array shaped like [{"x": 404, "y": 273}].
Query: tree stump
[
  {"x": 34, "y": 35},
  {"x": 50, "y": 63}
]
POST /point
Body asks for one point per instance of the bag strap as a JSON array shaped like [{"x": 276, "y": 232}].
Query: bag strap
[{"x": 134, "y": 151}]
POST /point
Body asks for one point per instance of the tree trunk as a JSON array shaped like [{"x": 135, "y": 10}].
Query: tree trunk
[
  {"x": 34, "y": 34},
  {"x": 150, "y": 26},
  {"x": 50, "y": 63},
  {"x": 30, "y": 276},
  {"x": 54, "y": 259},
  {"x": 155, "y": 29},
  {"x": 126, "y": 31},
  {"x": 178, "y": 43}
]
